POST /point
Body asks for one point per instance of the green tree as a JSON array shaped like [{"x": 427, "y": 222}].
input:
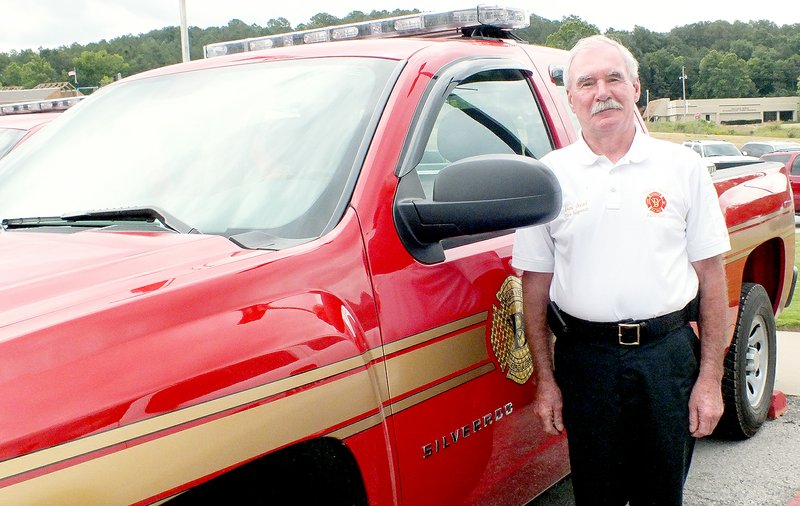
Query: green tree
[
  {"x": 723, "y": 75},
  {"x": 743, "y": 49},
  {"x": 35, "y": 71},
  {"x": 278, "y": 25},
  {"x": 660, "y": 73},
  {"x": 761, "y": 65},
  {"x": 96, "y": 67},
  {"x": 643, "y": 41},
  {"x": 571, "y": 31},
  {"x": 538, "y": 31},
  {"x": 238, "y": 29},
  {"x": 320, "y": 20},
  {"x": 786, "y": 72},
  {"x": 355, "y": 17},
  {"x": 12, "y": 75}
]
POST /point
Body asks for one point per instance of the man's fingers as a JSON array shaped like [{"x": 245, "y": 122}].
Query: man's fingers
[
  {"x": 703, "y": 429},
  {"x": 699, "y": 431},
  {"x": 558, "y": 422},
  {"x": 705, "y": 408},
  {"x": 694, "y": 420},
  {"x": 702, "y": 426},
  {"x": 548, "y": 408},
  {"x": 552, "y": 421}
]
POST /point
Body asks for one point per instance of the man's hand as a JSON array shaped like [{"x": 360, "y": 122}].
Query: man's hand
[
  {"x": 548, "y": 407},
  {"x": 705, "y": 407},
  {"x": 535, "y": 296},
  {"x": 705, "y": 403}
]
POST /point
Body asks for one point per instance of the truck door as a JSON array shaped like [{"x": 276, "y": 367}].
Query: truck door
[{"x": 459, "y": 371}]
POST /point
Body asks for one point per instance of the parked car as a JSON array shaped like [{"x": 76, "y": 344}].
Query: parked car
[
  {"x": 720, "y": 154},
  {"x": 19, "y": 120},
  {"x": 16, "y": 128},
  {"x": 791, "y": 159},
  {"x": 758, "y": 148}
]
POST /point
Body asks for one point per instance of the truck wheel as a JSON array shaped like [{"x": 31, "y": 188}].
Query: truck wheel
[
  {"x": 749, "y": 366},
  {"x": 319, "y": 471}
]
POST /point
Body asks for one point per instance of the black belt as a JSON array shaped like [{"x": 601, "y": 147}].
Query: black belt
[{"x": 624, "y": 332}]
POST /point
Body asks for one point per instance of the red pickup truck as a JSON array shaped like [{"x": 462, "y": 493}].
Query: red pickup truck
[{"x": 285, "y": 275}]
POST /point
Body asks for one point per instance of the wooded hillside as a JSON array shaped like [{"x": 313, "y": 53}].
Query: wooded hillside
[{"x": 720, "y": 59}]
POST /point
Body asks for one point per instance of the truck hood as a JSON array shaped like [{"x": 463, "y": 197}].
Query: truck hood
[{"x": 44, "y": 273}]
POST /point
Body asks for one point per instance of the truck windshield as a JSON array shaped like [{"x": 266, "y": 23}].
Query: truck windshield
[{"x": 267, "y": 146}]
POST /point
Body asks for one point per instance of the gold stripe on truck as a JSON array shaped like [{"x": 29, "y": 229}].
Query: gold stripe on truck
[
  {"x": 127, "y": 464},
  {"x": 746, "y": 236}
]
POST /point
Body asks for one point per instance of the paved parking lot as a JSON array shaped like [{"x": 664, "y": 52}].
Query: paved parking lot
[{"x": 763, "y": 470}]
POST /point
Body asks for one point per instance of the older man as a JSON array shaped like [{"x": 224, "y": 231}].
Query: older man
[{"x": 640, "y": 235}]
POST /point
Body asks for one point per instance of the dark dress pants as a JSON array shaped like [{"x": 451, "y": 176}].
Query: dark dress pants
[{"x": 627, "y": 417}]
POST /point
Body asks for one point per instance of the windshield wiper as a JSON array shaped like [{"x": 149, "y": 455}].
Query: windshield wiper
[{"x": 146, "y": 214}]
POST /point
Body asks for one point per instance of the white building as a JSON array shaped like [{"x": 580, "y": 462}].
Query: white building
[
  {"x": 44, "y": 91},
  {"x": 725, "y": 110}
]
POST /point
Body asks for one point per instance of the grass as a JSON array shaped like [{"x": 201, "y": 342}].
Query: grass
[
  {"x": 679, "y": 131},
  {"x": 772, "y": 130},
  {"x": 790, "y": 318}
]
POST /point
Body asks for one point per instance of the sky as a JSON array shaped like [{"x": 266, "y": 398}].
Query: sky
[{"x": 34, "y": 24}]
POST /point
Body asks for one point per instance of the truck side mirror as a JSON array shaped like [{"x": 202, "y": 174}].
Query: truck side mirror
[{"x": 476, "y": 195}]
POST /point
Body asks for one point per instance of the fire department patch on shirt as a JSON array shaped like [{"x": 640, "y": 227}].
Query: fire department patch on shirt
[{"x": 655, "y": 202}]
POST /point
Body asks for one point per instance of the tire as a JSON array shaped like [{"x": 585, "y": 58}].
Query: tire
[
  {"x": 318, "y": 471},
  {"x": 749, "y": 366}
]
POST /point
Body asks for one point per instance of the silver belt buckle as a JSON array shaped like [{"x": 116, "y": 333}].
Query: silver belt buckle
[{"x": 622, "y": 327}]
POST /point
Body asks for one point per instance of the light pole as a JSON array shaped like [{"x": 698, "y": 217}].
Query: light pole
[
  {"x": 184, "y": 31},
  {"x": 683, "y": 85}
]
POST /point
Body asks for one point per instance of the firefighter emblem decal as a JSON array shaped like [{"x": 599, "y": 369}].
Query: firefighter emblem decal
[{"x": 508, "y": 333}]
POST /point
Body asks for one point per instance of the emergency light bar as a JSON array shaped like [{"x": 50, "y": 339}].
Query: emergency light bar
[
  {"x": 52, "y": 105},
  {"x": 425, "y": 24}
]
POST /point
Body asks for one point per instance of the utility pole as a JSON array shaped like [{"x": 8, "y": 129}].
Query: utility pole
[
  {"x": 184, "y": 32},
  {"x": 683, "y": 85}
]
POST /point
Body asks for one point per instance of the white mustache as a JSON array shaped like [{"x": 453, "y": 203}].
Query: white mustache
[{"x": 605, "y": 105}]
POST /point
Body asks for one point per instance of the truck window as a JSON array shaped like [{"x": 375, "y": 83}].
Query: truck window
[{"x": 493, "y": 112}]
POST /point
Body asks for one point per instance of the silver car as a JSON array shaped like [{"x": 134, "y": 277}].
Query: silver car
[{"x": 761, "y": 147}]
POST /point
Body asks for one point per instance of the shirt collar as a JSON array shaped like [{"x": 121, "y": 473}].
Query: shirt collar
[
  {"x": 640, "y": 148},
  {"x": 637, "y": 153}
]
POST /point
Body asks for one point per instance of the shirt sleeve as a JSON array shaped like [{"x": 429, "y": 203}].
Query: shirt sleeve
[
  {"x": 706, "y": 231},
  {"x": 534, "y": 250}
]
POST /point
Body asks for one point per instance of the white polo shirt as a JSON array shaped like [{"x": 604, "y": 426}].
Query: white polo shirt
[{"x": 623, "y": 243}]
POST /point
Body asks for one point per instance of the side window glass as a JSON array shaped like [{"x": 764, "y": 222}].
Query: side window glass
[
  {"x": 795, "y": 171},
  {"x": 493, "y": 112}
]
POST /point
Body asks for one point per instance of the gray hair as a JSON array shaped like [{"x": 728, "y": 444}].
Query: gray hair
[{"x": 631, "y": 65}]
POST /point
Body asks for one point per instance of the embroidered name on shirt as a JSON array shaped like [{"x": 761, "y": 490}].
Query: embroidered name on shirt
[{"x": 575, "y": 208}]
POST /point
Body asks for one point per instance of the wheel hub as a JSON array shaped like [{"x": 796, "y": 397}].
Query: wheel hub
[
  {"x": 755, "y": 369},
  {"x": 753, "y": 360}
]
